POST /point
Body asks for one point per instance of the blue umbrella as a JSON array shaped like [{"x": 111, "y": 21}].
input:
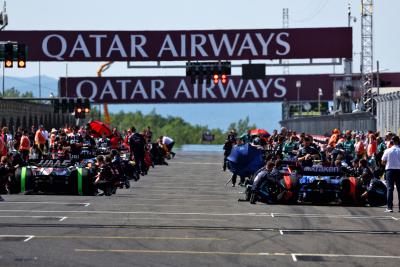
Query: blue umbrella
[{"x": 245, "y": 160}]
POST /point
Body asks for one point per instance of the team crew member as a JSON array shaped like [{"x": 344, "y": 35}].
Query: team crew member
[
  {"x": 391, "y": 160},
  {"x": 148, "y": 135},
  {"x": 40, "y": 141},
  {"x": 3, "y": 147},
  {"x": 25, "y": 145},
  {"x": 76, "y": 141},
  {"x": 307, "y": 153},
  {"x": 137, "y": 145},
  {"x": 169, "y": 142},
  {"x": 4, "y": 172},
  {"x": 115, "y": 139}
]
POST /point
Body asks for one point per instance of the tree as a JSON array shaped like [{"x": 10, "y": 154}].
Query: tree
[
  {"x": 13, "y": 92},
  {"x": 177, "y": 128},
  {"x": 242, "y": 126}
]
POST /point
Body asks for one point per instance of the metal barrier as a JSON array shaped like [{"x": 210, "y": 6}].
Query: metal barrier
[
  {"x": 388, "y": 112},
  {"x": 360, "y": 121},
  {"x": 14, "y": 114}
]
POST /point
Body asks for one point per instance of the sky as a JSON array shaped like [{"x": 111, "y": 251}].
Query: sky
[{"x": 206, "y": 14}]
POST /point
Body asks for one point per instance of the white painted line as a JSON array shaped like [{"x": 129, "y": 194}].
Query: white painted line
[
  {"x": 46, "y": 202},
  {"x": 294, "y": 257},
  {"x": 332, "y": 216},
  {"x": 281, "y": 232},
  {"x": 155, "y": 205},
  {"x": 338, "y": 231},
  {"x": 62, "y": 219},
  {"x": 394, "y": 218},
  {"x": 29, "y": 238},
  {"x": 272, "y": 215},
  {"x": 153, "y": 219},
  {"x": 20, "y": 216},
  {"x": 264, "y": 254},
  {"x": 141, "y": 212}
]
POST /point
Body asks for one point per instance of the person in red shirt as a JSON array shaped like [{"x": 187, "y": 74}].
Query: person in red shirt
[
  {"x": 372, "y": 146},
  {"x": 359, "y": 147},
  {"x": 115, "y": 139},
  {"x": 3, "y": 147},
  {"x": 334, "y": 138},
  {"x": 25, "y": 145},
  {"x": 40, "y": 141},
  {"x": 126, "y": 139}
]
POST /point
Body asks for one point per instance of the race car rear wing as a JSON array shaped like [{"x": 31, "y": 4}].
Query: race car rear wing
[
  {"x": 50, "y": 163},
  {"x": 321, "y": 171}
]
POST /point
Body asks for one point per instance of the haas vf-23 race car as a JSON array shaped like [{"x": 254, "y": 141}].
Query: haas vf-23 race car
[{"x": 54, "y": 177}]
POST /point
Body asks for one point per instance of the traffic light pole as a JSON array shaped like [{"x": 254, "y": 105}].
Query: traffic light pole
[{"x": 5, "y": 21}]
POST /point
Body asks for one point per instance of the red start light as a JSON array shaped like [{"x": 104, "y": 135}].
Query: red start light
[
  {"x": 216, "y": 81},
  {"x": 216, "y": 77},
  {"x": 223, "y": 76},
  {"x": 79, "y": 110},
  {"x": 87, "y": 110}
]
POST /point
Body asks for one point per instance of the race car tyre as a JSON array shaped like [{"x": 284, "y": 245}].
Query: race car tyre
[
  {"x": 288, "y": 187},
  {"x": 22, "y": 181},
  {"x": 376, "y": 194}
]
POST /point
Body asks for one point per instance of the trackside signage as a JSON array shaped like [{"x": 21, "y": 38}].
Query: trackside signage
[
  {"x": 277, "y": 88},
  {"x": 184, "y": 45}
]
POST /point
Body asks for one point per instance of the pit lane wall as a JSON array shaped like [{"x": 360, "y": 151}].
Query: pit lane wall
[
  {"x": 320, "y": 125},
  {"x": 388, "y": 112},
  {"x": 14, "y": 114}
]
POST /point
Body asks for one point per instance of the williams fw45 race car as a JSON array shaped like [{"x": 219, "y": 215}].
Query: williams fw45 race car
[
  {"x": 316, "y": 185},
  {"x": 54, "y": 176}
]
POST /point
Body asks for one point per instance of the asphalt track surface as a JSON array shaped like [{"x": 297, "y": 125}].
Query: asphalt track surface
[{"x": 184, "y": 215}]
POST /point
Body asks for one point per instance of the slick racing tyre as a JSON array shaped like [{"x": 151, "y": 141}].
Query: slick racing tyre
[{"x": 22, "y": 181}]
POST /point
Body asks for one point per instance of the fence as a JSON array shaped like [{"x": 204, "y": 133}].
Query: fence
[
  {"x": 388, "y": 112},
  {"x": 14, "y": 114},
  {"x": 360, "y": 121}
]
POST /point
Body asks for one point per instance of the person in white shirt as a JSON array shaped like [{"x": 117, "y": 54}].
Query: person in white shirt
[
  {"x": 169, "y": 142},
  {"x": 391, "y": 160}
]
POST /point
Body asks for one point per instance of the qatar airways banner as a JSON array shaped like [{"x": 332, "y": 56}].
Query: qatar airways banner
[
  {"x": 184, "y": 45},
  {"x": 136, "y": 90}
]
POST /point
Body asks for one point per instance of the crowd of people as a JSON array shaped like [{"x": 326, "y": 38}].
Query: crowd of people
[
  {"x": 365, "y": 155},
  {"x": 78, "y": 143}
]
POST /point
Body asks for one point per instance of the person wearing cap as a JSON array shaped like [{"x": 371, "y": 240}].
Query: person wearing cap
[
  {"x": 391, "y": 161},
  {"x": 334, "y": 138},
  {"x": 232, "y": 136},
  {"x": 307, "y": 153}
]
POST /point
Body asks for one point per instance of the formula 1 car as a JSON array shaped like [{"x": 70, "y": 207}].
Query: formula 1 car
[
  {"x": 319, "y": 184},
  {"x": 53, "y": 176}
]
